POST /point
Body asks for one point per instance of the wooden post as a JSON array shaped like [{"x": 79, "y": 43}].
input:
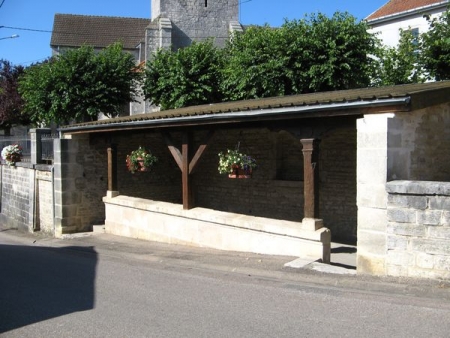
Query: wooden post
[
  {"x": 186, "y": 164},
  {"x": 188, "y": 202},
  {"x": 112, "y": 170},
  {"x": 311, "y": 170}
]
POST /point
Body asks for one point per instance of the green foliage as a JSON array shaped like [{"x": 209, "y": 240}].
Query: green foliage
[
  {"x": 436, "y": 47},
  {"x": 79, "y": 84},
  {"x": 255, "y": 65},
  {"x": 314, "y": 54},
  {"x": 232, "y": 159},
  {"x": 11, "y": 103},
  {"x": 189, "y": 76},
  {"x": 401, "y": 64}
]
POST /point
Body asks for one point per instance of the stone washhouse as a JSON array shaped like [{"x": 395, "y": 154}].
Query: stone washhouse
[{"x": 366, "y": 166}]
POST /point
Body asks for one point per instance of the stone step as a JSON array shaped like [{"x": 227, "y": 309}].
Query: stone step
[{"x": 98, "y": 229}]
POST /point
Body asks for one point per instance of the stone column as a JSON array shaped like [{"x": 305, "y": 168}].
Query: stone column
[
  {"x": 36, "y": 144},
  {"x": 372, "y": 173}
]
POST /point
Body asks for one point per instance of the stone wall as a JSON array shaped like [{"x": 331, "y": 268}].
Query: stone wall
[
  {"x": 17, "y": 196},
  {"x": 27, "y": 197},
  {"x": 418, "y": 229},
  {"x": 403, "y": 146},
  {"x": 80, "y": 178},
  {"x": 197, "y": 19}
]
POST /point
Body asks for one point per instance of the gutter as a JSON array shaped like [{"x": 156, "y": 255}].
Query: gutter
[{"x": 224, "y": 117}]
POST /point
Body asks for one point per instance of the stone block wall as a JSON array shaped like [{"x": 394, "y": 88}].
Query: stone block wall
[
  {"x": 197, "y": 19},
  {"x": 419, "y": 145},
  {"x": 80, "y": 182},
  {"x": 403, "y": 146},
  {"x": 17, "y": 196},
  {"x": 418, "y": 229}
]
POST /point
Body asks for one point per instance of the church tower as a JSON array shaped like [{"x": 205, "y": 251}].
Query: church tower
[{"x": 183, "y": 21}]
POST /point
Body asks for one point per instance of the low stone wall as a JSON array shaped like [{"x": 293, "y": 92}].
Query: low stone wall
[
  {"x": 169, "y": 223},
  {"x": 44, "y": 200},
  {"x": 418, "y": 229},
  {"x": 17, "y": 196},
  {"x": 27, "y": 197}
]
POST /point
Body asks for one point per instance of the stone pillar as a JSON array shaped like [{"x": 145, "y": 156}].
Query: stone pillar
[
  {"x": 372, "y": 173},
  {"x": 67, "y": 171},
  {"x": 36, "y": 144}
]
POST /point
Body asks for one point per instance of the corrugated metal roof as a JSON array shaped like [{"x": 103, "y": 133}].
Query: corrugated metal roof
[
  {"x": 399, "y": 6},
  {"x": 279, "y": 106},
  {"x": 71, "y": 30}
]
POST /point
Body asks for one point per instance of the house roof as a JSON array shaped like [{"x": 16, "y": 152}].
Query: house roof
[
  {"x": 316, "y": 105},
  {"x": 71, "y": 30},
  {"x": 394, "y": 7}
]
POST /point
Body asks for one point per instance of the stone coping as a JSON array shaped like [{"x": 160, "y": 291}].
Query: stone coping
[
  {"x": 268, "y": 225},
  {"x": 29, "y": 165},
  {"x": 418, "y": 187}
]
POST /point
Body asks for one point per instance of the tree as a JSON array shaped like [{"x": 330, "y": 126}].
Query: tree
[
  {"x": 10, "y": 100},
  {"x": 186, "y": 77},
  {"x": 436, "y": 47},
  {"x": 79, "y": 84},
  {"x": 401, "y": 64},
  {"x": 254, "y": 65},
  {"x": 314, "y": 54}
]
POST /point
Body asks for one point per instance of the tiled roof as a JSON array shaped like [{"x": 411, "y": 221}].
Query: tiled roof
[
  {"x": 342, "y": 102},
  {"x": 98, "y": 31},
  {"x": 398, "y": 6}
]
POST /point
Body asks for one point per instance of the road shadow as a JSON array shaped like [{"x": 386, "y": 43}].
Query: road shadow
[{"x": 40, "y": 283}]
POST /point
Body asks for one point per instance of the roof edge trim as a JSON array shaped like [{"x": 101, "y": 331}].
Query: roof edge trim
[{"x": 286, "y": 111}]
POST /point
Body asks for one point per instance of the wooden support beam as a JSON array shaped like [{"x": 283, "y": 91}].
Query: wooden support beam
[
  {"x": 185, "y": 163},
  {"x": 112, "y": 168},
  {"x": 311, "y": 182},
  {"x": 201, "y": 149},
  {"x": 188, "y": 202}
]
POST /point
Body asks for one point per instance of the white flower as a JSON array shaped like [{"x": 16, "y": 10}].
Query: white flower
[{"x": 12, "y": 154}]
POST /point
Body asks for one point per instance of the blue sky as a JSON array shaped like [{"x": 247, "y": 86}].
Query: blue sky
[{"x": 27, "y": 16}]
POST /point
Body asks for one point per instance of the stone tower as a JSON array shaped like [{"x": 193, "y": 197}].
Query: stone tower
[{"x": 176, "y": 23}]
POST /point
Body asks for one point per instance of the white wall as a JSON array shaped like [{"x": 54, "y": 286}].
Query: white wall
[{"x": 388, "y": 30}]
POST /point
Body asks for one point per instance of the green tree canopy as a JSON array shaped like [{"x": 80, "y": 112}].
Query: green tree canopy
[
  {"x": 314, "y": 54},
  {"x": 11, "y": 103},
  {"x": 436, "y": 47},
  {"x": 189, "y": 76},
  {"x": 79, "y": 84},
  {"x": 401, "y": 64}
]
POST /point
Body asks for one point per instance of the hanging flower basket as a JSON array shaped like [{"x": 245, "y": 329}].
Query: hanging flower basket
[
  {"x": 236, "y": 164},
  {"x": 140, "y": 160},
  {"x": 12, "y": 154}
]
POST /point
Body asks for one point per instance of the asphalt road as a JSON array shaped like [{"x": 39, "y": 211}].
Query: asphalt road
[{"x": 104, "y": 286}]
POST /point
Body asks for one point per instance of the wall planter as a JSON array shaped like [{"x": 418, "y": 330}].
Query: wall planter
[
  {"x": 12, "y": 154},
  {"x": 240, "y": 173},
  {"x": 140, "y": 160},
  {"x": 236, "y": 164}
]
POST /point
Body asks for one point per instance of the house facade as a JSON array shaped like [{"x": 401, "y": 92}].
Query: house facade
[
  {"x": 405, "y": 15},
  {"x": 173, "y": 24}
]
